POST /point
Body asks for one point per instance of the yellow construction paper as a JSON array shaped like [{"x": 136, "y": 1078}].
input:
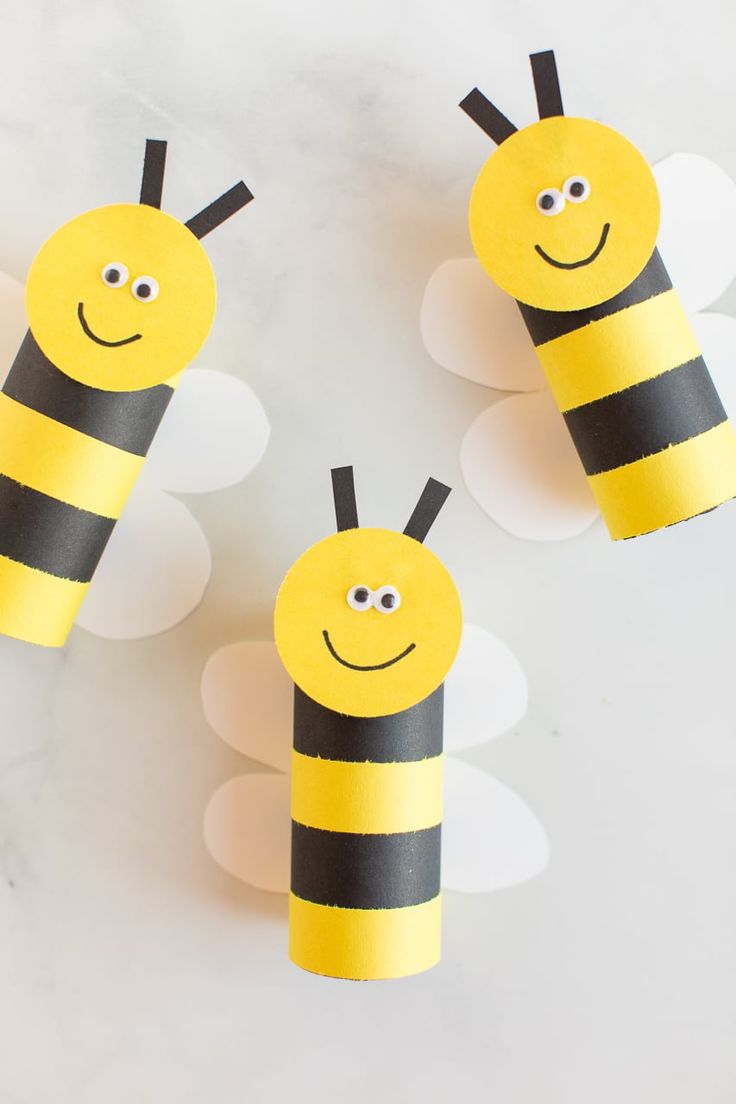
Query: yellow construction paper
[
  {"x": 506, "y": 224},
  {"x": 413, "y": 647},
  {"x": 168, "y": 330},
  {"x": 37, "y": 607},
  {"x": 364, "y": 944},
  {"x": 366, "y": 797}
]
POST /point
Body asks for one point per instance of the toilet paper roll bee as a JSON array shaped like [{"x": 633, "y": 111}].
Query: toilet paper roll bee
[
  {"x": 367, "y": 624},
  {"x": 119, "y": 300},
  {"x": 564, "y": 217}
]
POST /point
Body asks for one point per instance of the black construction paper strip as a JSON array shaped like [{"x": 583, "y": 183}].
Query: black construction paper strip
[
  {"x": 365, "y": 871},
  {"x": 646, "y": 418},
  {"x": 431, "y": 501},
  {"x": 42, "y": 532},
  {"x": 154, "y": 166},
  {"x": 547, "y": 325},
  {"x": 546, "y": 84},
  {"x": 343, "y": 494},
  {"x": 405, "y": 737},
  {"x": 219, "y": 210},
  {"x": 490, "y": 120},
  {"x": 126, "y": 419}
]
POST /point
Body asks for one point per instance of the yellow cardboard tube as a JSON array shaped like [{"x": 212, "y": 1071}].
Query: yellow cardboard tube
[{"x": 37, "y": 607}]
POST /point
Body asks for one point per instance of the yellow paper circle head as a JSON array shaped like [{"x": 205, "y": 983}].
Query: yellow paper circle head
[
  {"x": 121, "y": 297},
  {"x": 564, "y": 214},
  {"x": 368, "y": 622}
]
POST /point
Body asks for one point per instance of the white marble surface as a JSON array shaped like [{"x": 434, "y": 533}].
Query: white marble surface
[{"x": 131, "y": 969}]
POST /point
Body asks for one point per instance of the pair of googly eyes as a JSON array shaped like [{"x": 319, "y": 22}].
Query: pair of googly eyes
[
  {"x": 116, "y": 275},
  {"x": 386, "y": 599},
  {"x": 551, "y": 201}
]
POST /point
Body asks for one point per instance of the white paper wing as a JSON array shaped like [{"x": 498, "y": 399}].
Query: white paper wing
[
  {"x": 213, "y": 434},
  {"x": 520, "y": 465},
  {"x": 486, "y": 692},
  {"x": 697, "y": 237},
  {"x": 247, "y": 830},
  {"x": 247, "y": 698},
  {"x": 13, "y": 322},
  {"x": 472, "y": 328},
  {"x": 156, "y": 566},
  {"x": 490, "y": 837},
  {"x": 153, "y": 572}
]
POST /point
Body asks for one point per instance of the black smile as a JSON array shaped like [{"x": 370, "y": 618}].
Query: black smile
[
  {"x": 357, "y": 666},
  {"x": 576, "y": 264},
  {"x": 101, "y": 340}
]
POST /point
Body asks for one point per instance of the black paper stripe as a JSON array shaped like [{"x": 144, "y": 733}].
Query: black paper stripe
[
  {"x": 646, "y": 418},
  {"x": 220, "y": 209},
  {"x": 431, "y": 501},
  {"x": 343, "y": 495},
  {"x": 42, "y": 532},
  {"x": 126, "y": 419},
  {"x": 365, "y": 871},
  {"x": 547, "y": 325},
  {"x": 404, "y": 737},
  {"x": 487, "y": 116},
  {"x": 546, "y": 84},
  {"x": 154, "y": 167}
]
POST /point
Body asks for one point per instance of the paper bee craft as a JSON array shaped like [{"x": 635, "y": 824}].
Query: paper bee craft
[
  {"x": 367, "y": 624},
  {"x": 119, "y": 300},
  {"x": 564, "y": 217}
]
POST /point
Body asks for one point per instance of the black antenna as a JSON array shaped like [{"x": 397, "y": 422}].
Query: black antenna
[
  {"x": 154, "y": 164},
  {"x": 219, "y": 210},
  {"x": 487, "y": 116},
  {"x": 546, "y": 84},
  {"x": 431, "y": 501},
  {"x": 343, "y": 492}
]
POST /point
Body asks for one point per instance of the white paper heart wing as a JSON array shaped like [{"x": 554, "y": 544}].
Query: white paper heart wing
[
  {"x": 247, "y": 698},
  {"x": 156, "y": 566},
  {"x": 486, "y": 692},
  {"x": 153, "y": 572},
  {"x": 520, "y": 465},
  {"x": 490, "y": 837},
  {"x": 13, "y": 321},
  {"x": 697, "y": 237},
  {"x": 247, "y": 830},
  {"x": 472, "y": 328},
  {"x": 213, "y": 434}
]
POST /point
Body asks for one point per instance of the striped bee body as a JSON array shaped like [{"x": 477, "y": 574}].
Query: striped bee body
[
  {"x": 69, "y": 457},
  {"x": 366, "y": 823},
  {"x": 639, "y": 403},
  {"x": 89, "y": 387}
]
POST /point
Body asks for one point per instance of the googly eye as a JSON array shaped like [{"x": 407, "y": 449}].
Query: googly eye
[
  {"x": 360, "y": 597},
  {"x": 550, "y": 201},
  {"x": 386, "y": 599},
  {"x": 144, "y": 288},
  {"x": 114, "y": 274},
  {"x": 576, "y": 189}
]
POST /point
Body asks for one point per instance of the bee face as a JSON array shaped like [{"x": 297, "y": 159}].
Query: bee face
[
  {"x": 121, "y": 298},
  {"x": 564, "y": 214},
  {"x": 368, "y": 622}
]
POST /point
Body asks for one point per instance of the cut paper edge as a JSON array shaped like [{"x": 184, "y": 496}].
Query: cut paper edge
[
  {"x": 490, "y": 837},
  {"x": 697, "y": 236},
  {"x": 153, "y": 572},
  {"x": 247, "y": 698},
  {"x": 486, "y": 691},
  {"x": 214, "y": 433},
  {"x": 247, "y": 830},
  {"x": 520, "y": 465},
  {"x": 475, "y": 330}
]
